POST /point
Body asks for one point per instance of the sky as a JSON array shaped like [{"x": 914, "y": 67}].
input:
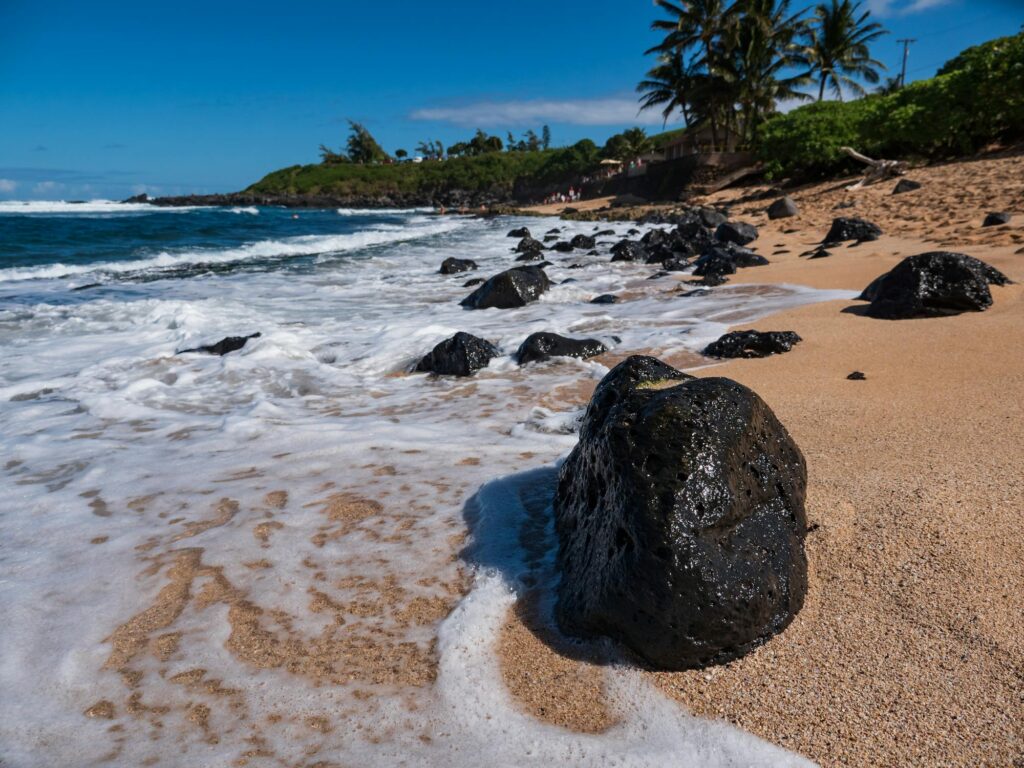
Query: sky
[{"x": 104, "y": 99}]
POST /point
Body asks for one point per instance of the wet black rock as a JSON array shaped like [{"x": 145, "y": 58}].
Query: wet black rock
[
  {"x": 709, "y": 280},
  {"x": 452, "y": 266},
  {"x": 541, "y": 346},
  {"x": 856, "y": 376},
  {"x": 680, "y": 518},
  {"x": 821, "y": 252},
  {"x": 225, "y": 345},
  {"x": 996, "y": 219},
  {"x": 694, "y": 293},
  {"x": 530, "y": 256},
  {"x": 659, "y": 274},
  {"x": 542, "y": 264},
  {"x": 725, "y": 260},
  {"x": 549, "y": 238},
  {"x": 675, "y": 264},
  {"x": 461, "y": 355},
  {"x": 783, "y": 208},
  {"x": 520, "y": 232},
  {"x": 514, "y": 287},
  {"x": 605, "y": 233},
  {"x": 472, "y": 282},
  {"x": 582, "y": 241},
  {"x": 553, "y": 231},
  {"x": 576, "y": 266},
  {"x": 629, "y": 250},
  {"x": 632, "y": 232},
  {"x": 140, "y": 198},
  {"x": 562, "y": 246},
  {"x": 844, "y": 228},
  {"x": 933, "y": 284},
  {"x": 605, "y": 298},
  {"x": 905, "y": 185},
  {"x": 739, "y": 232},
  {"x": 528, "y": 244},
  {"x": 752, "y": 344},
  {"x": 711, "y": 217},
  {"x": 655, "y": 237}
]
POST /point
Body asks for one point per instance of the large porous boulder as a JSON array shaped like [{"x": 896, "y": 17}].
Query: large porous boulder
[
  {"x": 739, "y": 232},
  {"x": 224, "y": 346},
  {"x": 514, "y": 287},
  {"x": 541, "y": 346},
  {"x": 680, "y": 518},
  {"x": 752, "y": 344},
  {"x": 583, "y": 241},
  {"x": 461, "y": 355},
  {"x": 783, "y": 208},
  {"x": 452, "y": 266},
  {"x": 519, "y": 232},
  {"x": 932, "y": 285},
  {"x": 848, "y": 228},
  {"x": 629, "y": 250}
]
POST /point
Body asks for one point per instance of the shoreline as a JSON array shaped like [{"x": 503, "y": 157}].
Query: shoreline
[{"x": 908, "y": 650}]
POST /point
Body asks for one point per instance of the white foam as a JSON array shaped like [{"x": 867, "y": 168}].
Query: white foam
[
  {"x": 252, "y": 210},
  {"x": 89, "y": 206},
  {"x": 383, "y": 211}
]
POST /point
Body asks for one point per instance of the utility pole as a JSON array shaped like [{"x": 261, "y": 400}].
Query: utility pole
[{"x": 906, "y": 50}]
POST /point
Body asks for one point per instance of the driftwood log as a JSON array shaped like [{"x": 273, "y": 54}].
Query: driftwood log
[{"x": 877, "y": 170}]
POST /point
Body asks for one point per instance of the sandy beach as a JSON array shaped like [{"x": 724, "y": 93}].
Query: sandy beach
[{"x": 908, "y": 650}]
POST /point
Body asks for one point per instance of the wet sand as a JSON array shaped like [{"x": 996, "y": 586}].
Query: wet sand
[{"x": 909, "y": 649}]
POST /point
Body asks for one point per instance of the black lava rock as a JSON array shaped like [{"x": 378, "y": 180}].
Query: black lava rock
[
  {"x": 514, "y": 287},
  {"x": 655, "y": 237},
  {"x": 541, "y": 346},
  {"x": 905, "y": 185},
  {"x": 933, "y": 284},
  {"x": 582, "y": 241},
  {"x": 461, "y": 355},
  {"x": 225, "y": 345},
  {"x": 605, "y": 298},
  {"x": 528, "y": 244},
  {"x": 675, "y": 264},
  {"x": 712, "y": 217},
  {"x": 605, "y": 233},
  {"x": 856, "y": 376},
  {"x": 694, "y": 293},
  {"x": 752, "y": 344},
  {"x": 520, "y": 232},
  {"x": 726, "y": 259},
  {"x": 530, "y": 256},
  {"x": 738, "y": 232},
  {"x": 629, "y": 250},
  {"x": 710, "y": 280},
  {"x": 451, "y": 266},
  {"x": 995, "y": 219},
  {"x": 844, "y": 228},
  {"x": 680, "y": 518},
  {"x": 563, "y": 246},
  {"x": 783, "y": 208},
  {"x": 473, "y": 281}
]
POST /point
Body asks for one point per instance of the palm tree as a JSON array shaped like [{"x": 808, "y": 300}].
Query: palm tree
[
  {"x": 891, "y": 85},
  {"x": 838, "y": 47},
  {"x": 667, "y": 86}
]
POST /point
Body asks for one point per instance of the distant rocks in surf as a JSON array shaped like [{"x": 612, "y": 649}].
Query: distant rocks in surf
[
  {"x": 680, "y": 518},
  {"x": 224, "y": 346},
  {"x": 519, "y": 232},
  {"x": 543, "y": 346},
  {"x": 512, "y": 288},
  {"x": 752, "y": 344},
  {"x": 933, "y": 284},
  {"x": 605, "y": 298},
  {"x": 529, "y": 245},
  {"x": 848, "y": 228},
  {"x": 452, "y": 266},
  {"x": 461, "y": 355}
]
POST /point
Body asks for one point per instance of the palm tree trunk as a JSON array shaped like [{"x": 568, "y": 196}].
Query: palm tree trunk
[{"x": 821, "y": 87}]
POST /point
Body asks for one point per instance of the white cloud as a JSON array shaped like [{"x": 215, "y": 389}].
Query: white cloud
[
  {"x": 8, "y": 185},
  {"x": 611, "y": 111},
  {"x": 902, "y": 7},
  {"x": 46, "y": 187}
]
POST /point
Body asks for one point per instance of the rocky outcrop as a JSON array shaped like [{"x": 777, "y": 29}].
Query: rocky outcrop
[
  {"x": 783, "y": 208},
  {"x": 680, "y": 518},
  {"x": 739, "y": 232},
  {"x": 933, "y": 284},
  {"x": 515, "y": 287},
  {"x": 452, "y": 266},
  {"x": 846, "y": 228},
  {"x": 222, "y": 347},
  {"x": 542, "y": 346},
  {"x": 752, "y": 344},
  {"x": 461, "y": 355}
]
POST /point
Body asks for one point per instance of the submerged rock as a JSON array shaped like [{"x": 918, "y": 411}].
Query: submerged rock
[
  {"x": 528, "y": 244},
  {"x": 583, "y": 241},
  {"x": 752, "y": 344},
  {"x": 472, "y": 281},
  {"x": 846, "y": 228},
  {"x": 541, "y": 346},
  {"x": 905, "y": 185},
  {"x": 562, "y": 246},
  {"x": 519, "y": 232},
  {"x": 783, "y": 208},
  {"x": 739, "y": 232},
  {"x": 680, "y": 518},
  {"x": 605, "y": 298},
  {"x": 933, "y": 284},
  {"x": 461, "y": 355},
  {"x": 995, "y": 219},
  {"x": 530, "y": 256},
  {"x": 225, "y": 345},
  {"x": 514, "y": 287},
  {"x": 452, "y": 266}
]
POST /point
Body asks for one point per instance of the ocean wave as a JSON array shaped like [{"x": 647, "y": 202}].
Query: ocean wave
[
  {"x": 304, "y": 245},
  {"x": 252, "y": 210},
  {"x": 383, "y": 211},
  {"x": 90, "y": 206}
]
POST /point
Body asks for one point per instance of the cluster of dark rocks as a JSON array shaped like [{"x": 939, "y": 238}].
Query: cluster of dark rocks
[{"x": 464, "y": 354}]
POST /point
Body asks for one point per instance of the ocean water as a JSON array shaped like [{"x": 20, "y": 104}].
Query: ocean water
[{"x": 299, "y": 553}]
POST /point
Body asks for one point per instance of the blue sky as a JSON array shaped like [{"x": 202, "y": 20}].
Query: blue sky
[{"x": 103, "y": 99}]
